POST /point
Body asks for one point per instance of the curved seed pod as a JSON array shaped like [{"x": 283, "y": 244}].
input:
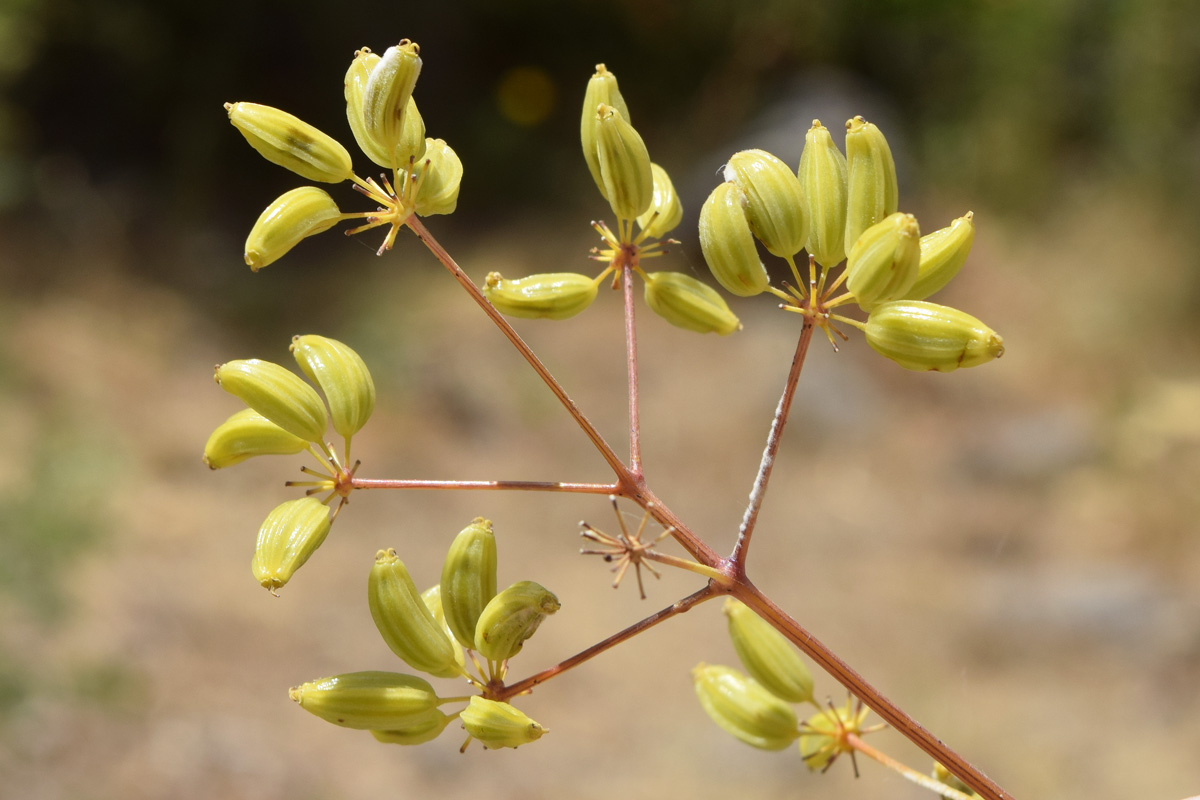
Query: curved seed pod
[
  {"x": 418, "y": 732},
  {"x": 883, "y": 263},
  {"x": 728, "y": 244},
  {"x": 601, "y": 89},
  {"x": 405, "y": 622},
  {"x": 412, "y": 139},
  {"x": 440, "y": 177},
  {"x": 920, "y": 335},
  {"x": 291, "y": 533},
  {"x": 767, "y": 655},
  {"x": 293, "y": 216},
  {"x": 687, "y": 303},
  {"x": 387, "y": 92},
  {"x": 369, "y": 700},
  {"x": 511, "y": 617},
  {"x": 872, "y": 191},
  {"x": 433, "y": 601},
  {"x": 774, "y": 200},
  {"x": 823, "y": 179},
  {"x": 291, "y": 143},
  {"x": 499, "y": 725},
  {"x": 342, "y": 376},
  {"x": 246, "y": 434},
  {"x": 823, "y": 737},
  {"x": 551, "y": 295},
  {"x": 469, "y": 579},
  {"x": 743, "y": 708},
  {"x": 276, "y": 393},
  {"x": 665, "y": 210},
  {"x": 943, "y": 254},
  {"x": 624, "y": 164}
]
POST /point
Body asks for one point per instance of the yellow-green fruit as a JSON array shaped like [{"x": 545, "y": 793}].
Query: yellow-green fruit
[
  {"x": 276, "y": 393},
  {"x": 665, "y": 210},
  {"x": 291, "y": 533},
  {"x": 688, "y": 303},
  {"x": 883, "y": 263},
  {"x": 624, "y": 164},
  {"x": 439, "y": 177},
  {"x": 601, "y": 90},
  {"x": 405, "y": 622},
  {"x": 293, "y": 216},
  {"x": 823, "y": 737},
  {"x": 728, "y": 244},
  {"x": 774, "y": 200},
  {"x": 767, "y": 655},
  {"x": 387, "y": 92},
  {"x": 920, "y": 335},
  {"x": 342, "y": 376},
  {"x": 412, "y": 139},
  {"x": 246, "y": 434},
  {"x": 433, "y": 601},
  {"x": 498, "y": 724},
  {"x": 469, "y": 579},
  {"x": 369, "y": 700},
  {"x": 511, "y": 617},
  {"x": 823, "y": 180},
  {"x": 291, "y": 143},
  {"x": 416, "y": 733},
  {"x": 743, "y": 708},
  {"x": 943, "y": 254},
  {"x": 872, "y": 191},
  {"x": 552, "y": 295}
]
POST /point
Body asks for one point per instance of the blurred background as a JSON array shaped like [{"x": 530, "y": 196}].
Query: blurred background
[{"x": 1011, "y": 553}]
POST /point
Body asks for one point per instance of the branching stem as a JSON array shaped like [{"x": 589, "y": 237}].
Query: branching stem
[
  {"x": 919, "y": 778},
  {"x": 520, "y": 486}
]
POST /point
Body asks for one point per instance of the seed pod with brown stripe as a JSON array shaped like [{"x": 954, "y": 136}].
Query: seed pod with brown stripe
[
  {"x": 412, "y": 138},
  {"x": 369, "y": 700},
  {"x": 290, "y": 534},
  {"x": 767, "y": 655},
  {"x": 469, "y": 579},
  {"x": 920, "y": 335},
  {"x": 511, "y": 617},
  {"x": 420, "y": 732},
  {"x": 291, "y": 142},
  {"x": 342, "y": 376},
  {"x": 405, "y": 622},
  {"x": 743, "y": 708},
  {"x": 276, "y": 393},
  {"x": 386, "y": 94}
]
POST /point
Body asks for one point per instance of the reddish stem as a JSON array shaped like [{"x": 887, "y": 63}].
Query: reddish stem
[
  {"x": 635, "y": 426},
  {"x": 520, "y": 486}
]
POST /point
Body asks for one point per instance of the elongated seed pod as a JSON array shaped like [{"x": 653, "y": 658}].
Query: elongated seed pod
[
  {"x": 247, "y": 434},
  {"x": 290, "y": 534},
  {"x": 291, "y": 142},
  {"x": 822, "y": 177},
  {"x": 743, "y": 708},
  {"x": 920, "y": 335},
  {"x": 665, "y": 210},
  {"x": 439, "y": 176},
  {"x": 883, "y": 263},
  {"x": 551, "y": 295},
  {"x": 767, "y": 655},
  {"x": 511, "y": 617},
  {"x": 412, "y": 138},
  {"x": 872, "y": 191},
  {"x": 416, "y": 733},
  {"x": 433, "y": 601},
  {"x": 293, "y": 216},
  {"x": 369, "y": 700},
  {"x": 728, "y": 244},
  {"x": 276, "y": 393},
  {"x": 687, "y": 303},
  {"x": 943, "y": 254},
  {"x": 469, "y": 579},
  {"x": 499, "y": 725},
  {"x": 405, "y": 622},
  {"x": 342, "y": 376},
  {"x": 774, "y": 200},
  {"x": 624, "y": 164},
  {"x": 386, "y": 95},
  {"x": 601, "y": 90}
]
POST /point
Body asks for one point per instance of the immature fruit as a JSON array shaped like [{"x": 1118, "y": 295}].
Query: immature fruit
[
  {"x": 920, "y": 335},
  {"x": 499, "y": 725},
  {"x": 511, "y": 617},
  {"x": 824, "y": 735},
  {"x": 872, "y": 191},
  {"x": 552, "y": 295},
  {"x": 290, "y": 534},
  {"x": 387, "y": 92},
  {"x": 822, "y": 177},
  {"x": 624, "y": 164},
  {"x": 293, "y": 216},
  {"x": 433, "y": 601},
  {"x": 687, "y": 303},
  {"x": 369, "y": 700},
  {"x": 412, "y": 139},
  {"x": 601, "y": 89},
  {"x": 883, "y": 263},
  {"x": 420, "y": 732},
  {"x": 246, "y": 434},
  {"x": 943, "y": 254},
  {"x": 276, "y": 393},
  {"x": 767, "y": 655},
  {"x": 469, "y": 579},
  {"x": 743, "y": 708},
  {"x": 405, "y": 622},
  {"x": 728, "y": 244},
  {"x": 774, "y": 200},
  {"x": 439, "y": 177},
  {"x": 665, "y": 210},
  {"x": 291, "y": 143},
  {"x": 342, "y": 376}
]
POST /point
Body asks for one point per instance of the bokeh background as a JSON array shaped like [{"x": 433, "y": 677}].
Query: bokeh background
[{"x": 1011, "y": 552}]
